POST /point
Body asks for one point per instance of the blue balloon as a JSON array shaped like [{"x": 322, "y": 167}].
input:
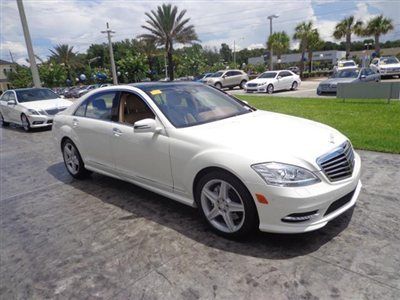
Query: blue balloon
[{"x": 82, "y": 77}]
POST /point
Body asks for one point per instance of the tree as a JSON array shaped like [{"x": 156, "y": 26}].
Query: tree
[
  {"x": 346, "y": 28},
  {"x": 226, "y": 53},
  {"x": 314, "y": 43},
  {"x": 166, "y": 27},
  {"x": 20, "y": 78},
  {"x": 52, "y": 75},
  {"x": 303, "y": 32},
  {"x": 133, "y": 67},
  {"x": 376, "y": 27},
  {"x": 64, "y": 54},
  {"x": 279, "y": 43}
]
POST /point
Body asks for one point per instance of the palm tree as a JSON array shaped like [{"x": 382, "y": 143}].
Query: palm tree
[
  {"x": 167, "y": 26},
  {"x": 304, "y": 33},
  {"x": 279, "y": 43},
  {"x": 314, "y": 43},
  {"x": 346, "y": 28},
  {"x": 376, "y": 27},
  {"x": 64, "y": 54}
]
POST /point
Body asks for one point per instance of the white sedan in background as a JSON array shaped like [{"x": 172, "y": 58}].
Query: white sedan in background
[
  {"x": 243, "y": 168},
  {"x": 271, "y": 81},
  {"x": 31, "y": 108},
  {"x": 344, "y": 65}
]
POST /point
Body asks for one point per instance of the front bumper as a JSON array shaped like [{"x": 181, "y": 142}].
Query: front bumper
[
  {"x": 394, "y": 71},
  {"x": 317, "y": 198},
  {"x": 37, "y": 121},
  {"x": 256, "y": 89}
]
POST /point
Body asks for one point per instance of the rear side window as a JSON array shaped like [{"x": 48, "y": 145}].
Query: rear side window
[{"x": 103, "y": 106}]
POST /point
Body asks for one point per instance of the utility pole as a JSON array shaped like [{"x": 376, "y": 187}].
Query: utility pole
[
  {"x": 271, "y": 52},
  {"x": 28, "y": 42},
  {"x": 234, "y": 53},
  {"x": 113, "y": 69}
]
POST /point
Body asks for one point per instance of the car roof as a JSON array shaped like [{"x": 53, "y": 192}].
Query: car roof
[{"x": 154, "y": 85}]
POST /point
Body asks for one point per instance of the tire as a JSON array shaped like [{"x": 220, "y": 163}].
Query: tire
[
  {"x": 319, "y": 93},
  {"x": 270, "y": 89},
  {"x": 26, "y": 125},
  {"x": 2, "y": 122},
  {"x": 242, "y": 83},
  {"x": 218, "y": 85},
  {"x": 240, "y": 222},
  {"x": 73, "y": 160},
  {"x": 294, "y": 85}
]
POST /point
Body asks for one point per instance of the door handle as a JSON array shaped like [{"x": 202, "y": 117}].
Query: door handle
[
  {"x": 117, "y": 132},
  {"x": 75, "y": 122}
]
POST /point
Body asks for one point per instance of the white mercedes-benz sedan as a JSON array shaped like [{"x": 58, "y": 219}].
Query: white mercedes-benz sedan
[
  {"x": 31, "y": 108},
  {"x": 271, "y": 81},
  {"x": 243, "y": 168}
]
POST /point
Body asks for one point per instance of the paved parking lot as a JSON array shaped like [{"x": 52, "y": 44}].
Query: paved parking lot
[
  {"x": 307, "y": 89},
  {"x": 103, "y": 238}
]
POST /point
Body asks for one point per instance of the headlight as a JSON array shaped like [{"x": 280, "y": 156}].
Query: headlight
[
  {"x": 260, "y": 84},
  {"x": 279, "y": 174},
  {"x": 333, "y": 85},
  {"x": 33, "y": 112}
]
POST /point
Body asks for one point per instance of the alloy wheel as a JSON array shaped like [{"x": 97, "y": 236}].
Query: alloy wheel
[
  {"x": 270, "y": 89},
  {"x": 71, "y": 158},
  {"x": 222, "y": 206},
  {"x": 25, "y": 123},
  {"x": 294, "y": 85}
]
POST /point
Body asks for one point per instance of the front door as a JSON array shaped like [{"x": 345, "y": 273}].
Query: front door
[
  {"x": 143, "y": 157},
  {"x": 93, "y": 125}
]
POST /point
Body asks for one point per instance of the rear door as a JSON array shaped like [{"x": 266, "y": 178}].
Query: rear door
[
  {"x": 93, "y": 125},
  {"x": 229, "y": 79}
]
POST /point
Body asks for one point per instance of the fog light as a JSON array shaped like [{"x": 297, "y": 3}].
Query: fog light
[{"x": 300, "y": 217}]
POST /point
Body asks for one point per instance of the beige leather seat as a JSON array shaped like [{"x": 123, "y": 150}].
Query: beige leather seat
[{"x": 133, "y": 109}]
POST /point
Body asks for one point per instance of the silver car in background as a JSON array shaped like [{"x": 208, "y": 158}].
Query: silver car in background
[
  {"x": 347, "y": 76},
  {"x": 227, "y": 79}
]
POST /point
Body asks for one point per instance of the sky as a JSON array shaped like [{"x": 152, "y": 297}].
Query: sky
[{"x": 243, "y": 23}]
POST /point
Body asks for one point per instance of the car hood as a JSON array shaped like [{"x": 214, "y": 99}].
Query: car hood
[
  {"x": 337, "y": 80},
  {"x": 390, "y": 66},
  {"x": 263, "y": 136},
  {"x": 46, "y": 104},
  {"x": 261, "y": 80}
]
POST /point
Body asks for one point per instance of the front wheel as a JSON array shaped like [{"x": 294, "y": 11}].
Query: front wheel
[
  {"x": 73, "y": 160},
  {"x": 26, "y": 125},
  {"x": 218, "y": 86},
  {"x": 242, "y": 84},
  {"x": 270, "y": 89},
  {"x": 226, "y": 204},
  {"x": 2, "y": 122}
]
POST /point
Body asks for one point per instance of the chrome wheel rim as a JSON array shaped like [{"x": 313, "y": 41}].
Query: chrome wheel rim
[
  {"x": 270, "y": 89},
  {"x": 25, "y": 122},
  {"x": 71, "y": 158},
  {"x": 222, "y": 206}
]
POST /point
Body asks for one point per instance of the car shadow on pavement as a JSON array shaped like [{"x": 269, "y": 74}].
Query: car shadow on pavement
[{"x": 140, "y": 203}]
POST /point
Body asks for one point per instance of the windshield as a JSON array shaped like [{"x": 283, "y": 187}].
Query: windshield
[
  {"x": 29, "y": 95},
  {"x": 389, "y": 60},
  {"x": 267, "y": 75},
  {"x": 346, "y": 74},
  {"x": 217, "y": 74},
  {"x": 189, "y": 105}
]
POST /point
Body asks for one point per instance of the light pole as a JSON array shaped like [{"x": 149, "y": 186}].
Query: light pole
[
  {"x": 28, "y": 42},
  {"x": 234, "y": 50},
  {"x": 113, "y": 69},
  {"x": 367, "y": 45},
  {"x": 270, "y": 33}
]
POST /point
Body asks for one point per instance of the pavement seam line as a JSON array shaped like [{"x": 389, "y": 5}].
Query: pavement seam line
[{"x": 30, "y": 191}]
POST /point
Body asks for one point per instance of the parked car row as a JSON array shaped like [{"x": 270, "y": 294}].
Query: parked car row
[{"x": 78, "y": 91}]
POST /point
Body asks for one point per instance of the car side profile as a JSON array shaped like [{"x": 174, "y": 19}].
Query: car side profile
[
  {"x": 271, "y": 81},
  {"x": 227, "y": 79},
  {"x": 387, "y": 66},
  {"x": 242, "y": 168},
  {"x": 30, "y": 108}
]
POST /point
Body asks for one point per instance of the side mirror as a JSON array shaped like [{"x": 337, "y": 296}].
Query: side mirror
[
  {"x": 146, "y": 125},
  {"x": 224, "y": 76},
  {"x": 11, "y": 102},
  {"x": 279, "y": 77},
  {"x": 363, "y": 77}
]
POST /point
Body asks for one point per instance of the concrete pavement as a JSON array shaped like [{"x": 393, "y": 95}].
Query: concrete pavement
[{"x": 106, "y": 239}]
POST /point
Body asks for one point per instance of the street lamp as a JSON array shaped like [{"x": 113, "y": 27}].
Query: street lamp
[
  {"x": 364, "y": 61},
  {"x": 234, "y": 50},
  {"x": 274, "y": 16},
  {"x": 92, "y": 60}
]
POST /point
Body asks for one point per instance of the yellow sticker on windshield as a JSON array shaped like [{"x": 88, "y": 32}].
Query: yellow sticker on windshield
[{"x": 155, "y": 92}]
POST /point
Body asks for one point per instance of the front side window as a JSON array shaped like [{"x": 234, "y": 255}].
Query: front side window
[
  {"x": 189, "y": 105},
  {"x": 11, "y": 96},
  {"x": 133, "y": 108},
  {"x": 217, "y": 74},
  {"x": 5, "y": 96}
]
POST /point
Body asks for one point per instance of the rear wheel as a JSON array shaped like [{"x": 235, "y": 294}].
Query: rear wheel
[
  {"x": 2, "y": 122},
  {"x": 73, "y": 160},
  {"x": 270, "y": 89},
  {"x": 226, "y": 204},
  {"x": 26, "y": 125},
  {"x": 218, "y": 85},
  {"x": 294, "y": 85}
]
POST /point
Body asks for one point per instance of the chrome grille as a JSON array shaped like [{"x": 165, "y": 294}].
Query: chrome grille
[
  {"x": 339, "y": 163},
  {"x": 252, "y": 84},
  {"x": 52, "y": 112}
]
